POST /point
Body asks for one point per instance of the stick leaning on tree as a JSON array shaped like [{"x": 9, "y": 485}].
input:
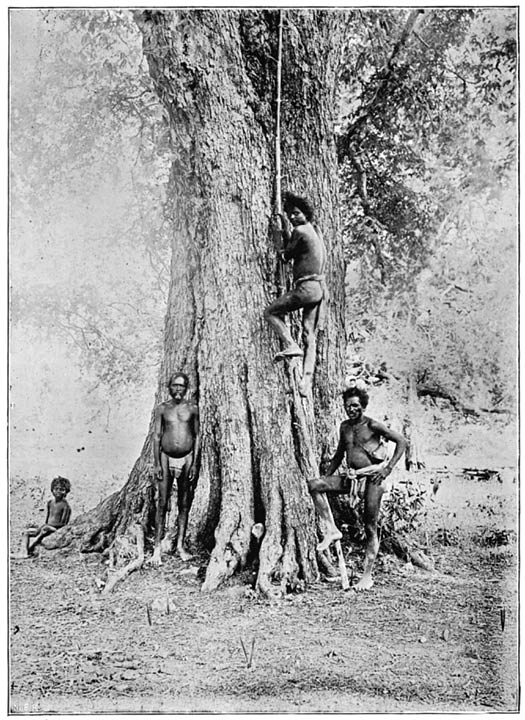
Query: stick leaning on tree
[
  {"x": 278, "y": 206},
  {"x": 278, "y": 177}
]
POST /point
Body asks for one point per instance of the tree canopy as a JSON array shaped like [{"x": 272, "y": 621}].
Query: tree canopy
[
  {"x": 427, "y": 150},
  {"x": 426, "y": 142}
]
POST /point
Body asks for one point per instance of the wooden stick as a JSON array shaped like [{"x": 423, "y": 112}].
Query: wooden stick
[
  {"x": 244, "y": 651},
  {"x": 278, "y": 118},
  {"x": 306, "y": 426},
  {"x": 278, "y": 203},
  {"x": 345, "y": 583}
]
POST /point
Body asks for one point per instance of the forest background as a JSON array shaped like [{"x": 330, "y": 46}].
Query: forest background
[
  {"x": 428, "y": 193},
  {"x": 426, "y": 143}
]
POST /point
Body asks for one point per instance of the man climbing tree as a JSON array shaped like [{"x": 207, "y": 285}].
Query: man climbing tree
[{"x": 307, "y": 250}]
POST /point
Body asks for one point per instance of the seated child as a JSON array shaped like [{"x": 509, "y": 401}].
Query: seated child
[{"x": 58, "y": 514}]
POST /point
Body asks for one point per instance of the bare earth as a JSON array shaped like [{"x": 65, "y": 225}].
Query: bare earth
[{"x": 418, "y": 641}]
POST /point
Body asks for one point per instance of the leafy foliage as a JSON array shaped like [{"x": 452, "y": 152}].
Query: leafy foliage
[
  {"x": 427, "y": 148},
  {"x": 403, "y": 509},
  {"x": 90, "y": 162},
  {"x": 113, "y": 336},
  {"x": 402, "y": 513},
  {"x": 457, "y": 332}
]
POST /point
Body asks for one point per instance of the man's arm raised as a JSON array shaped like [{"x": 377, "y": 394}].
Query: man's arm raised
[
  {"x": 281, "y": 234},
  {"x": 293, "y": 246}
]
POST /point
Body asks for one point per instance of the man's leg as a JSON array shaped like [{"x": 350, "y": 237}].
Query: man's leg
[
  {"x": 373, "y": 495},
  {"x": 169, "y": 537},
  {"x": 163, "y": 494},
  {"x": 185, "y": 493},
  {"x": 273, "y": 314},
  {"x": 23, "y": 554},
  {"x": 44, "y": 531},
  {"x": 309, "y": 318},
  {"x": 318, "y": 488}
]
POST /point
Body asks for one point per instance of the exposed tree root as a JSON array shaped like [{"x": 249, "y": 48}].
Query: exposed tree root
[
  {"x": 232, "y": 544},
  {"x": 121, "y": 548},
  {"x": 95, "y": 530},
  {"x": 90, "y": 531}
]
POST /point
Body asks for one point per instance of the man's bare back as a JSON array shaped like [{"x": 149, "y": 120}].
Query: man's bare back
[{"x": 307, "y": 251}]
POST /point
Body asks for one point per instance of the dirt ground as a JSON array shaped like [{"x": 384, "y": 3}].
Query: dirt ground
[{"x": 417, "y": 642}]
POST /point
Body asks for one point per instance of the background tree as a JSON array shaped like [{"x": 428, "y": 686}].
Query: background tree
[
  {"x": 427, "y": 134},
  {"x": 426, "y": 143},
  {"x": 98, "y": 126}
]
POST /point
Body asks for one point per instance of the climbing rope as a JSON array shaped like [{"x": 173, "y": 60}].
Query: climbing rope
[
  {"x": 278, "y": 118},
  {"x": 278, "y": 204}
]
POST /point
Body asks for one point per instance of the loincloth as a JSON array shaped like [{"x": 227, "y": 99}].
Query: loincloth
[
  {"x": 178, "y": 463},
  {"x": 321, "y": 305},
  {"x": 354, "y": 482}
]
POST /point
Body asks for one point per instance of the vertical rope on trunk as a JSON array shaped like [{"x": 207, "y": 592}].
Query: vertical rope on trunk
[
  {"x": 278, "y": 118},
  {"x": 278, "y": 191}
]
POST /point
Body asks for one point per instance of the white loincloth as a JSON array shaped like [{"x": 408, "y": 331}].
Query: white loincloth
[
  {"x": 356, "y": 480},
  {"x": 370, "y": 469},
  {"x": 177, "y": 463}
]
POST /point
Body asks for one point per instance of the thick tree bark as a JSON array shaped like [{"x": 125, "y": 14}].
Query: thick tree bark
[{"x": 214, "y": 72}]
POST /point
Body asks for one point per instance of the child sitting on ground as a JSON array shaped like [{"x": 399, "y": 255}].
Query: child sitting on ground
[{"x": 58, "y": 514}]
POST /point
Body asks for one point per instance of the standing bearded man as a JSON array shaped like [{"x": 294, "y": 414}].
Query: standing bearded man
[
  {"x": 361, "y": 442},
  {"x": 176, "y": 444}
]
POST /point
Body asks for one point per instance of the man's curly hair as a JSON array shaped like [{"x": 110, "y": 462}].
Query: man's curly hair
[
  {"x": 359, "y": 393},
  {"x": 290, "y": 201},
  {"x": 179, "y": 375},
  {"x": 61, "y": 482}
]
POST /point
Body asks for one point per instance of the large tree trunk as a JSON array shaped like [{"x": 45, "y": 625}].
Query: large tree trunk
[{"x": 214, "y": 72}]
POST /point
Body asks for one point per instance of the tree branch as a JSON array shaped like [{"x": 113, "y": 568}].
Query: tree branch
[
  {"x": 384, "y": 75},
  {"x": 438, "y": 392},
  {"x": 464, "y": 80},
  {"x": 361, "y": 179},
  {"x": 387, "y": 72}
]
